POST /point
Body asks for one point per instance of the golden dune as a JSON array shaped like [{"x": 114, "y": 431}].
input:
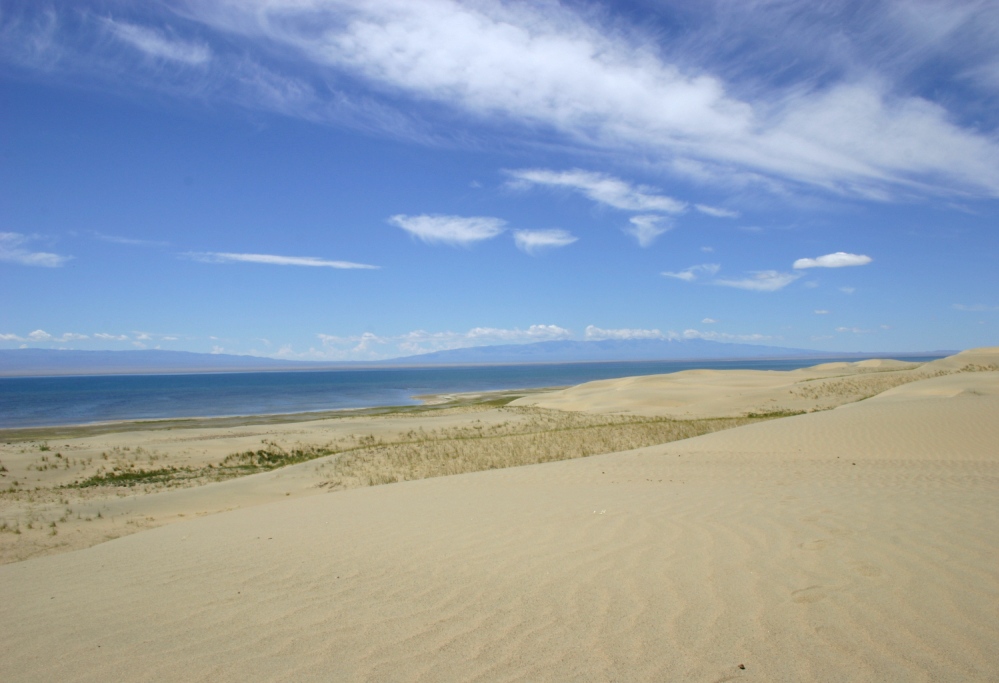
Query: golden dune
[{"x": 857, "y": 543}]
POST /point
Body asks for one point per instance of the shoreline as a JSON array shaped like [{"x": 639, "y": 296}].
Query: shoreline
[{"x": 427, "y": 402}]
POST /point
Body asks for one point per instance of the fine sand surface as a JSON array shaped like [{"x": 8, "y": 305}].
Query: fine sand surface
[{"x": 859, "y": 543}]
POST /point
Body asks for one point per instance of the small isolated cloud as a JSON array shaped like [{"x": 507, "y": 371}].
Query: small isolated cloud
[
  {"x": 853, "y": 330},
  {"x": 975, "y": 308},
  {"x": 534, "y": 241},
  {"x": 270, "y": 259},
  {"x": 694, "y": 272},
  {"x": 10, "y": 337},
  {"x": 707, "y": 250},
  {"x": 821, "y": 311},
  {"x": 709, "y": 321},
  {"x": 39, "y": 335},
  {"x": 647, "y": 227},
  {"x": 104, "y": 336},
  {"x": 601, "y": 188},
  {"x": 761, "y": 281},
  {"x": 594, "y": 333},
  {"x": 716, "y": 211},
  {"x": 848, "y": 290},
  {"x": 12, "y": 251},
  {"x": 154, "y": 44},
  {"x": 453, "y": 230},
  {"x": 840, "y": 259}
]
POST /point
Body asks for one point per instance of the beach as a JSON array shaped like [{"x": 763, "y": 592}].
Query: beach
[{"x": 833, "y": 523}]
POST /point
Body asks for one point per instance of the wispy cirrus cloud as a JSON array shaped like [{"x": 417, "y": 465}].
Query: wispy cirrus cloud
[
  {"x": 716, "y": 212},
  {"x": 13, "y": 250},
  {"x": 453, "y": 230},
  {"x": 155, "y": 44},
  {"x": 847, "y": 114},
  {"x": 840, "y": 259},
  {"x": 647, "y": 227},
  {"x": 599, "y": 187},
  {"x": 760, "y": 281},
  {"x": 129, "y": 241},
  {"x": 693, "y": 100},
  {"x": 275, "y": 260},
  {"x": 694, "y": 272},
  {"x": 535, "y": 241}
]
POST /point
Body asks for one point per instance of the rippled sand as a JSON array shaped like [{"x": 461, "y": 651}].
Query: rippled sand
[{"x": 853, "y": 544}]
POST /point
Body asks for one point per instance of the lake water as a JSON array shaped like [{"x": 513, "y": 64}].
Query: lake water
[{"x": 42, "y": 401}]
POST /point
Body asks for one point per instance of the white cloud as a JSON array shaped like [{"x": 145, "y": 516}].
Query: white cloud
[
  {"x": 43, "y": 336},
  {"x": 647, "y": 227},
  {"x": 821, "y": 311},
  {"x": 453, "y": 230},
  {"x": 762, "y": 281},
  {"x": 694, "y": 272},
  {"x": 854, "y": 330},
  {"x": 724, "y": 336},
  {"x": 369, "y": 346},
  {"x": 270, "y": 259},
  {"x": 835, "y": 122},
  {"x": 840, "y": 259},
  {"x": 709, "y": 321},
  {"x": 848, "y": 290},
  {"x": 155, "y": 44},
  {"x": 534, "y": 241},
  {"x": 11, "y": 251},
  {"x": 104, "y": 336},
  {"x": 716, "y": 212},
  {"x": 601, "y": 188},
  {"x": 10, "y": 337},
  {"x": 707, "y": 250},
  {"x": 595, "y": 333}
]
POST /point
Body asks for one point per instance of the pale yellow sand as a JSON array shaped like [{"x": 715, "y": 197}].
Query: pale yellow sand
[{"x": 854, "y": 544}]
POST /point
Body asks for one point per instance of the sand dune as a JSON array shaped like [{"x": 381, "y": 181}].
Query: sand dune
[{"x": 853, "y": 544}]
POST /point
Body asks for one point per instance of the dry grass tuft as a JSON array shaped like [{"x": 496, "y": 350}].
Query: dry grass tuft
[{"x": 541, "y": 435}]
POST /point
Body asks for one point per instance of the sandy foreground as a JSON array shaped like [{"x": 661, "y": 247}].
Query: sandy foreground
[{"x": 849, "y": 543}]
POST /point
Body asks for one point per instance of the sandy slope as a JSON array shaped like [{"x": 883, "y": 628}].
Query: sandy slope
[{"x": 856, "y": 544}]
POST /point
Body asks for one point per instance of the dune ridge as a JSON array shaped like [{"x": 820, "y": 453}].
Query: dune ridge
[{"x": 859, "y": 543}]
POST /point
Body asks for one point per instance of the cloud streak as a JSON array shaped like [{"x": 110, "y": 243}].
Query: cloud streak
[
  {"x": 535, "y": 241},
  {"x": 694, "y": 272},
  {"x": 840, "y": 259},
  {"x": 761, "y": 281},
  {"x": 154, "y": 44},
  {"x": 453, "y": 230},
  {"x": 601, "y": 188},
  {"x": 12, "y": 251},
  {"x": 274, "y": 260}
]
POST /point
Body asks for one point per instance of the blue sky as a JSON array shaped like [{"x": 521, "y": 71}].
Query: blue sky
[{"x": 334, "y": 179}]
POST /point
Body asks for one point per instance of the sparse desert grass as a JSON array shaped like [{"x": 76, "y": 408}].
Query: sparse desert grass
[
  {"x": 872, "y": 382},
  {"x": 545, "y": 436}
]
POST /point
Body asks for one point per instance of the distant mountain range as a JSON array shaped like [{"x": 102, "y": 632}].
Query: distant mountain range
[{"x": 40, "y": 362}]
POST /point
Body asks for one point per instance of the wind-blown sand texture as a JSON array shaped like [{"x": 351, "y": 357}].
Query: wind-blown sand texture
[{"x": 853, "y": 544}]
